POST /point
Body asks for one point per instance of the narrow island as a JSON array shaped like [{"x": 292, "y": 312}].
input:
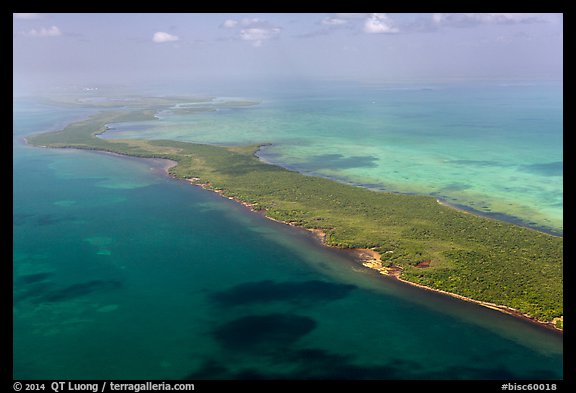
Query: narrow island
[{"x": 407, "y": 237}]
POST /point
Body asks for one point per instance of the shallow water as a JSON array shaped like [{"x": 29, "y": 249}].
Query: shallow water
[
  {"x": 490, "y": 146},
  {"x": 123, "y": 273}
]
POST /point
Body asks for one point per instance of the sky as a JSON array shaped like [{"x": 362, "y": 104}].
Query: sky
[{"x": 98, "y": 48}]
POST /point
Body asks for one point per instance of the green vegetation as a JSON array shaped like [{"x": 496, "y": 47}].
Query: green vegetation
[
  {"x": 559, "y": 324},
  {"x": 477, "y": 257}
]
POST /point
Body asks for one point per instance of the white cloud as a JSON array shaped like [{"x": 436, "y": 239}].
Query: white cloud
[
  {"x": 379, "y": 23},
  {"x": 230, "y": 23},
  {"x": 245, "y": 22},
  {"x": 329, "y": 21},
  {"x": 471, "y": 19},
  {"x": 507, "y": 17},
  {"x": 251, "y": 22},
  {"x": 52, "y": 31},
  {"x": 437, "y": 18},
  {"x": 257, "y": 35},
  {"x": 161, "y": 36},
  {"x": 27, "y": 16},
  {"x": 253, "y": 30},
  {"x": 352, "y": 15}
]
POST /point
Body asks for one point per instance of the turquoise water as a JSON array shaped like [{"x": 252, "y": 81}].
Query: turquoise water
[
  {"x": 490, "y": 146},
  {"x": 123, "y": 273}
]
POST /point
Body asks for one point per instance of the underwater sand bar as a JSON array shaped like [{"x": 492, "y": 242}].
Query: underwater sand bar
[{"x": 473, "y": 257}]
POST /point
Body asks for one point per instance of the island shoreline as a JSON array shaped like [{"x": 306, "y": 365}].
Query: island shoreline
[{"x": 371, "y": 259}]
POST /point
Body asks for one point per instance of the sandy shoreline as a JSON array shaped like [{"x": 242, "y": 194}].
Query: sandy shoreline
[
  {"x": 167, "y": 164},
  {"x": 372, "y": 259}
]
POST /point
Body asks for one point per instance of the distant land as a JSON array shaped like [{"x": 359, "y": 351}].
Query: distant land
[{"x": 412, "y": 238}]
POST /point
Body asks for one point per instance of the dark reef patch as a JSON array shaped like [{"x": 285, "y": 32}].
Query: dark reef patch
[
  {"x": 545, "y": 169},
  {"x": 51, "y": 219},
  {"x": 320, "y": 364},
  {"x": 268, "y": 333},
  {"x": 82, "y": 289},
  {"x": 480, "y": 163},
  {"x": 33, "y": 278},
  {"x": 456, "y": 187},
  {"x": 42, "y": 291},
  {"x": 20, "y": 218},
  {"x": 268, "y": 291},
  {"x": 338, "y": 161},
  {"x": 33, "y": 291},
  {"x": 305, "y": 364}
]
